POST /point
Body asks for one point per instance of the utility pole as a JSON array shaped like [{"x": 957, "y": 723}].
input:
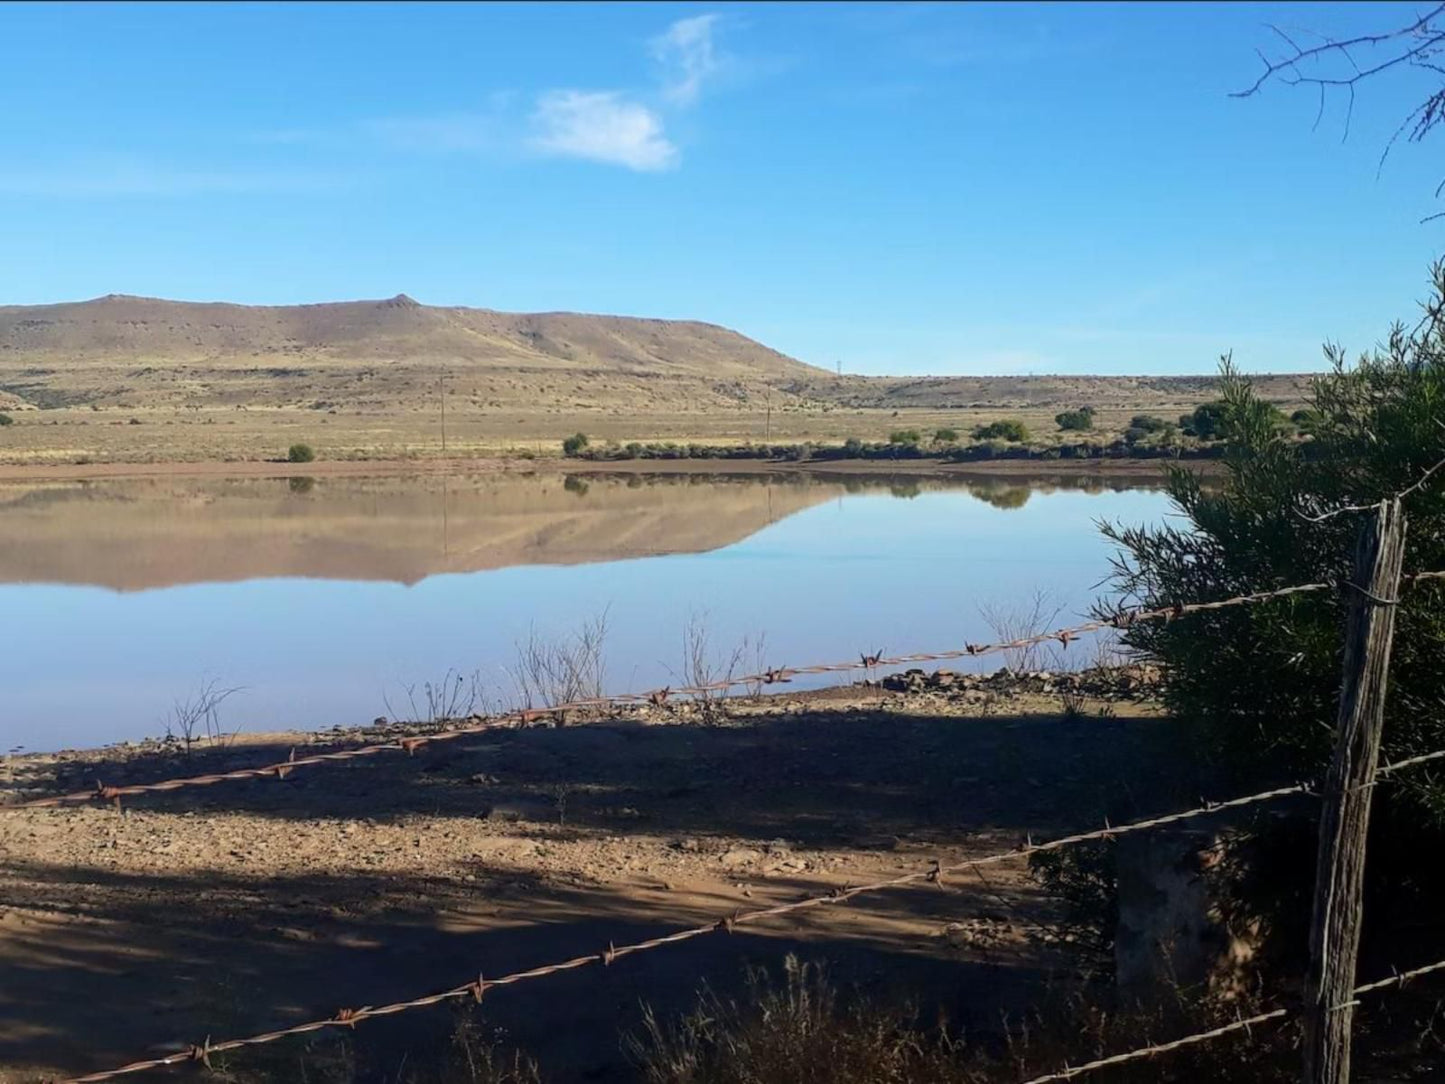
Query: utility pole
[
  {"x": 444, "y": 412},
  {"x": 768, "y": 430}
]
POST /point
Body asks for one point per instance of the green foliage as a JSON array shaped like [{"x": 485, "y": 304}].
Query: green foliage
[
  {"x": 1084, "y": 879},
  {"x": 1008, "y": 429},
  {"x": 1147, "y": 429},
  {"x": 852, "y": 447},
  {"x": 1258, "y": 684},
  {"x": 1149, "y": 423},
  {"x": 1206, "y": 422},
  {"x": 6, "y": 419},
  {"x": 1078, "y": 420},
  {"x": 905, "y": 436},
  {"x": 300, "y": 453},
  {"x": 574, "y": 444},
  {"x": 945, "y": 436}
]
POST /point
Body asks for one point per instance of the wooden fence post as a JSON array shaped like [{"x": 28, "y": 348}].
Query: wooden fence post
[{"x": 1345, "y": 819}]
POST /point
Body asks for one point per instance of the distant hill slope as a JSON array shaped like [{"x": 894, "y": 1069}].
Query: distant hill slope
[{"x": 121, "y": 328}]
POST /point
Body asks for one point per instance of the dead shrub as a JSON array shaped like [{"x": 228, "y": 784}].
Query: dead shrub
[{"x": 551, "y": 671}]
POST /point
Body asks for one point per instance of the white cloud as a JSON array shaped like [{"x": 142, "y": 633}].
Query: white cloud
[
  {"x": 601, "y": 126},
  {"x": 688, "y": 57}
]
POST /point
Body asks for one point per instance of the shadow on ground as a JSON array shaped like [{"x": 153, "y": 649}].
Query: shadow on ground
[
  {"x": 103, "y": 965},
  {"x": 814, "y": 777}
]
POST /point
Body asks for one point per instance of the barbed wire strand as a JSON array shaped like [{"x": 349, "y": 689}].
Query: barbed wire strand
[
  {"x": 1069, "y": 1073},
  {"x": 934, "y": 874},
  {"x": 660, "y": 696}
]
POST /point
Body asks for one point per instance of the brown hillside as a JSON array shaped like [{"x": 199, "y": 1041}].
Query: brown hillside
[
  {"x": 132, "y": 379},
  {"x": 144, "y": 352}
]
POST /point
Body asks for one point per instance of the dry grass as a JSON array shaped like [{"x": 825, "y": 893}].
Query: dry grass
[{"x": 803, "y": 1030}]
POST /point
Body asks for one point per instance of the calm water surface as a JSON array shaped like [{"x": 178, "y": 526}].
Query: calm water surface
[{"x": 323, "y": 599}]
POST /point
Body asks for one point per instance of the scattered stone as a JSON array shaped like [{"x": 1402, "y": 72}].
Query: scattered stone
[{"x": 739, "y": 856}]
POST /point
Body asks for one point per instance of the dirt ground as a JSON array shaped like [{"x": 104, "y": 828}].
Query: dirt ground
[{"x": 225, "y": 910}]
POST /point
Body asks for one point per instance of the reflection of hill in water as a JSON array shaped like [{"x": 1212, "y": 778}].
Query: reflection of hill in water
[{"x": 139, "y": 534}]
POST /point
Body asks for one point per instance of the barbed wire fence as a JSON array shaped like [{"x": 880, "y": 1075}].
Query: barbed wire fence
[{"x": 1373, "y": 593}]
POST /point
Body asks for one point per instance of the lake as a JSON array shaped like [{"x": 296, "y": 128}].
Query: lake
[{"x": 323, "y": 599}]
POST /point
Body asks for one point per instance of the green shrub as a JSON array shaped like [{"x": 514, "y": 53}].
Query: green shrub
[
  {"x": 1080, "y": 419},
  {"x": 574, "y": 444},
  {"x": 905, "y": 436},
  {"x": 1205, "y": 422},
  {"x": 853, "y": 447},
  {"x": 1304, "y": 420},
  {"x": 6, "y": 419},
  {"x": 1149, "y": 423},
  {"x": 1008, "y": 429},
  {"x": 300, "y": 453},
  {"x": 1259, "y": 684},
  {"x": 945, "y": 436}
]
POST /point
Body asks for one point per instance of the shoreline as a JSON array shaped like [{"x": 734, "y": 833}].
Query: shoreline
[{"x": 1017, "y": 468}]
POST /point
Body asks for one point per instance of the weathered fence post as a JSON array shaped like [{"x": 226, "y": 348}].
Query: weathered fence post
[{"x": 1345, "y": 819}]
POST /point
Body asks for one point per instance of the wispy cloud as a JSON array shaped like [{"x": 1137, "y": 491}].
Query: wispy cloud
[
  {"x": 688, "y": 57},
  {"x": 601, "y": 126},
  {"x": 129, "y": 179}
]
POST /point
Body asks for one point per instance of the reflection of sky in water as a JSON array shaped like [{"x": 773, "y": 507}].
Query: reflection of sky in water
[{"x": 86, "y": 665}]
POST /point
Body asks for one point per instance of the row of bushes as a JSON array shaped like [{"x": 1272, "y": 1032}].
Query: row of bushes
[
  {"x": 1204, "y": 422},
  {"x": 890, "y": 450}
]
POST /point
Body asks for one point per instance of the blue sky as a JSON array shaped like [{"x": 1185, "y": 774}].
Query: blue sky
[{"x": 912, "y": 188}]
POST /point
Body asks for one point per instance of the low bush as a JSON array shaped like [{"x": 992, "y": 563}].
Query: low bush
[
  {"x": 905, "y": 436},
  {"x": 945, "y": 436},
  {"x": 6, "y": 419},
  {"x": 1080, "y": 419},
  {"x": 1009, "y": 429},
  {"x": 300, "y": 453},
  {"x": 1149, "y": 423},
  {"x": 574, "y": 444}
]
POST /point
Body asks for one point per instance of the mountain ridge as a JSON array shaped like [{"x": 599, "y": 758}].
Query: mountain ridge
[{"x": 116, "y": 328}]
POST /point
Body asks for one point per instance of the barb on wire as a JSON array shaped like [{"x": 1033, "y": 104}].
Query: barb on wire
[
  {"x": 774, "y": 675},
  {"x": 1154, "y": 1050},
  {"x": 1159, "y": 1048}
]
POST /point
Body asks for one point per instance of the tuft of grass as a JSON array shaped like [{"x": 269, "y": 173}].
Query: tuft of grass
[{"x": 796, "y": 1032}]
